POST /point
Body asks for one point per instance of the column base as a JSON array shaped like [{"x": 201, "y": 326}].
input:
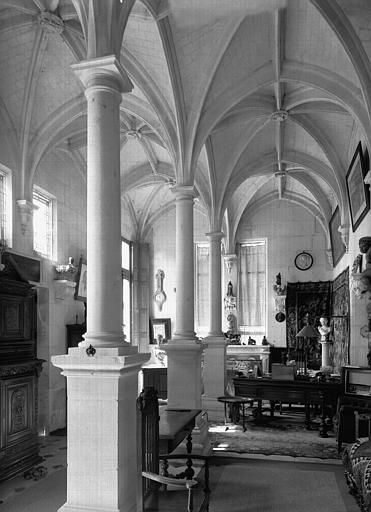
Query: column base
[
  {"x": 69, "y": 508},
  {"x": 184, "y": 374},
  {"x": 200, "y": 435},
  {"x": 215, "y": 409},
  {"x": 103, "y": 471},
  {"x": 104, "y": 340},
  {"x": 215, "y": 373}
]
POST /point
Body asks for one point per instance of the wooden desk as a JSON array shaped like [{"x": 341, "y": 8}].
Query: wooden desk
[
  {"x": 175, "y": 425},
  {"x": 305, "y": 392}
]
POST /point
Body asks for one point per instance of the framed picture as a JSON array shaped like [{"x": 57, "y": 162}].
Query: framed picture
[
  {"x": 160, "y": 330},
  {"x": 358, "y": 195},
  {"x": 337, "y": 246},
  {"x": 80, "y": 290}
]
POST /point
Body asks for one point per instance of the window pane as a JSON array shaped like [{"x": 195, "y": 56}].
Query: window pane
[
  {"x": 252, "y": 287},
  {"x": 126, "y": 300},
  {"x": 125, "y": 255},
  {"x": 42, "y": 224}
]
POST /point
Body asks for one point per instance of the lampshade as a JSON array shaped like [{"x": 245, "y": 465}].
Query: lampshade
[{"x": 307, "y": 332}]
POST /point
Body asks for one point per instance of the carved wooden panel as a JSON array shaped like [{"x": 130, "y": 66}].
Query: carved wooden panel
[
  {"x": 12, "y": 321},
  {"x": 19, "y": 397}
]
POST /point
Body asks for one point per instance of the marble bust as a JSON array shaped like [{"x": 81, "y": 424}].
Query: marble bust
[{"x": 324, "y": 329}]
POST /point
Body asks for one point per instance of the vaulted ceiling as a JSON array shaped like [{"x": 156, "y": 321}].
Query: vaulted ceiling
[{"x": 253, "y": 101}]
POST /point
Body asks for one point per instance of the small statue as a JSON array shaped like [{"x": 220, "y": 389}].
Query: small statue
[
  {"x": 278, "y": 288},
  {"x": 231, "y": 319},
  {"x": 324, "y": 329},
  {"x": 365, "y": 264},
  {"x": 250, "y": 341},
  {"x": 230, "y": 299}
]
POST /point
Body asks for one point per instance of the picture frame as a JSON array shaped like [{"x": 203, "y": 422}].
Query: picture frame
[
  {"x": 162, "y": 327},
  {"x": 337, "y": 246},
  {"x": 358, "y": 195},
  {"x": 80, "y": 290}
]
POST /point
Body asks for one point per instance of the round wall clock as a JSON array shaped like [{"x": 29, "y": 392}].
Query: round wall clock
[{"x": 303, "y": 261}]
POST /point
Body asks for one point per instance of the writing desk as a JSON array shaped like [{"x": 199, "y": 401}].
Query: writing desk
[
  {"x": 175, "y": 425},
  {"x": 304, "y": 392}
]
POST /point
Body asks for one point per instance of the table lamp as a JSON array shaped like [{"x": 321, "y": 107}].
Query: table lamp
[{"x": 307, "y": 332}]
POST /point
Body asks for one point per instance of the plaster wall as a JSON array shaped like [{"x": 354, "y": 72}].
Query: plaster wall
[
  {"x": 58, "y": 175},
  {"x": 288, "y": 230},
  {"x": 162, "y": 256}
]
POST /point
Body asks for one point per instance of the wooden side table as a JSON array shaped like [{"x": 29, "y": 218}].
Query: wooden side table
[
  {"x": 362, "y": 416},
  {"x": 234, "y": 403}
]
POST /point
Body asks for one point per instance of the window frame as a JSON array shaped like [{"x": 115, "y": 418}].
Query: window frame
[
  {"x": 52, "y": 223},
  {"x": 245, "y": 329},
  {"x": 7, "y": 234},
  {"x": 127, "y": 275}
]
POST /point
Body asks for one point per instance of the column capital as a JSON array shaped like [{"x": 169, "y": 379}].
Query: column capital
[
  {"x": 184, "y": 191},
  {"x": 229, "y": 260},
  {"x": 26, "y": 209},
  {"x": 103, "y": 72},
  {"x": 215, "y": 235}
]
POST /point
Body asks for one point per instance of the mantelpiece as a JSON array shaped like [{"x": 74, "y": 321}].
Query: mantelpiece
[{"x": 244, "y": 352}]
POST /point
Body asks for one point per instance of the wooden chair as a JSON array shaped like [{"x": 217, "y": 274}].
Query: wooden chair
[{"x": 155, "y": 483}]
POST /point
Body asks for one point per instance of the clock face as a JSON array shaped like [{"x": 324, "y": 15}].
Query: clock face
[{"x": 303, "y": 261}]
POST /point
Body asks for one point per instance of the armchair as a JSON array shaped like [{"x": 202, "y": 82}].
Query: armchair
[{"x": 163, "y": 490}]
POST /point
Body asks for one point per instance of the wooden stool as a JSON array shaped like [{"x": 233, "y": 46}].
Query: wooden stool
[{"x": 234, "y": 401}]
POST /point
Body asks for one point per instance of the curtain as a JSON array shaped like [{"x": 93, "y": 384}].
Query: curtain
[{"x": 252, "y": 285}]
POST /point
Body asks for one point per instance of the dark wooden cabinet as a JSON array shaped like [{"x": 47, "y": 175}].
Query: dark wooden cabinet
[
  {"x": 19, "y": 371},
  {"x": 156, "y": 377},
  {"x": 74, "y": 334}
]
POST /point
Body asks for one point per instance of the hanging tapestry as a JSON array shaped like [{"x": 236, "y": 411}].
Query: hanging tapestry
[
  {"x": 339, "y": 349},
  {"x": 305, "y": 300}
]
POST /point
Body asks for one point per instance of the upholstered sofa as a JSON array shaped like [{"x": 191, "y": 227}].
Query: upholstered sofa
[{"x": 357, "y": 465}]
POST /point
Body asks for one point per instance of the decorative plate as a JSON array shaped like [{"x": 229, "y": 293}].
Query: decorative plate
[
  {"x": 280, "y": 317},
  {"x": 303, "y": 261}
]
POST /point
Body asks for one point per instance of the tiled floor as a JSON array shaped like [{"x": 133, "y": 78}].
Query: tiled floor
[{"x": 53, "y": 449}]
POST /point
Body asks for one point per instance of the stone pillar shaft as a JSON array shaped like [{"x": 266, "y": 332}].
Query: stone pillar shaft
[
  {"x": 184, "y": 263},
  {"x": 104, "y": 80},
  {"x": 215, "y": 284}
]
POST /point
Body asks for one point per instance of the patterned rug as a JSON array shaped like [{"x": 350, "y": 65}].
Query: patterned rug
[
  {"x": 264, "y": 486},
  {"x": 281, "y": 435}
]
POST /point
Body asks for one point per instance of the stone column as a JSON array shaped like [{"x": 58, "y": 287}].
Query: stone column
[
  {"x": 325, "y": 357},
  {"x": 102, "y": 380},
  {"x": 184, "y": 350},
  {"x": 104, "y": 81},
  {"x": 214, "y": 374}
]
